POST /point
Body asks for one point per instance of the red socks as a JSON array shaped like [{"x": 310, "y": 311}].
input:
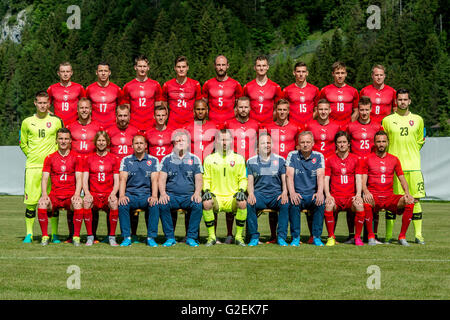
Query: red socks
[
  {"x": 87, "y": 215},
  {"x": 406, "y": 220},
  {"x": 359, "y": 222},
  {"x": 113, "y": 218},
  {"x": 369, "y": 219},
  {"x": 329, "y": 221},
  {"x": 43, "y": 221},
  {"x": 77, "y": 221}
]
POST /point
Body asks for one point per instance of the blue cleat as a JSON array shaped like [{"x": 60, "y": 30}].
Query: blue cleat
[
  {"x": 170, "y": 242},
  {"x": 191, "y": 242},
  {"x": 317, "y": 242},
  {"x": 28, "y": 238},
  {"x": 282, "y": 242},
  {"x": 254, "y": 242},
  {"x": 134, "y": 239},
  {"x": 151, "y": 242},
  {"x": 126, "y": 242},
  {"x": 55, "y": 238},
  {"x": 295, "y": 242}
]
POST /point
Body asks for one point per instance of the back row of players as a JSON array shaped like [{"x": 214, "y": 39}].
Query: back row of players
[{"x": 144, "y": 107}]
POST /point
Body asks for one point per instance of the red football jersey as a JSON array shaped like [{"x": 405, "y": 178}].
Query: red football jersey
[
  {"x": 221, "y": 97},
  {"x": 362, "y": 136},
  {"x": 324, "y": 136},
  {"x": 202, "y": 137},
  {"x": 262, "y": 99},
  {"x": 284, "y": 138},
  {"x": 342, "y": 174},
  {"x": 301, "y": 102},
  {"x": 62, "y": 172},
  {"x": 65, "y": 100},
  {"x": 342, "y": 101},
  {"x": 83, "y": 136},
  {"x": 142, "y": 97},
  {"x": 245, "y": 135},
  {"x": 382, "y": 101},
  {"x": 159, "y": 142},
  {"x": 122, "y": 140},
  {"x": 101, "y": 170},
  {"x": 104, "y": 101},
  {"x": 380, "y": 172},
  {"x": 181, "y": 98}
]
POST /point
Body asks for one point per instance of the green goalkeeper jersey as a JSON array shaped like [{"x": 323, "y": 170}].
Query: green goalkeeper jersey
[
  {"x": 406, "y": 138},
  {"x": 224, "y": 175},
  {"x": 38, "y": 139}
]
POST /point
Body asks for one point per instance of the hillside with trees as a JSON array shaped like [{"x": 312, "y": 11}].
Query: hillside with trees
[{"x": 411, "y": 43}]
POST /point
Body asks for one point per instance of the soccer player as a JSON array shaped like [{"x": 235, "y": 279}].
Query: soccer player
[
  {"x": 221, "y": 92},
  {"x": 138, "y": 189},
  {"x": 302, "y": 96},
  {"x": 343, "y": 172},
  {"x": 100, "y": 186},
  {"x": 381, "y": 95},
  {"x": 142, "y": 94},
  {"x": 65, "y": 170},
  {"x": 377, "y": 184},
  {"x": 407, "y": 135},
  {"x": 159, "y": 136},
  {"x": 122, "y": 133},
  {"x": 224, "y": 186},
  {"x": 263, "y": 93},
  {"x": 180, "y": 185},
  {"x": 37, "y": 141},
  {"x": 180, "y": 93},
  {"x": 243, "y": 129},
  {"x": 202, "y": 131},
  {"x": 266, "y": 174},
  {"x": 65, "y": 94},
  {"x": 105, "y": 96},
  {"x": 83, "y": 130},
  {"x": 324, "y": 129},
  {"x": 343, "y": 98},
  {"x": 305, "y": 171}
]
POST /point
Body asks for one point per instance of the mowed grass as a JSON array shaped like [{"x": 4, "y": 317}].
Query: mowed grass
[{"x": 225, "y": 272}]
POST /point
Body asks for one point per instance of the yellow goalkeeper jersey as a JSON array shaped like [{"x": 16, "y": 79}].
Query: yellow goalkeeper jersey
[
  {"x": 224, "y": 175},
  {"x": 406, "y": 138}
]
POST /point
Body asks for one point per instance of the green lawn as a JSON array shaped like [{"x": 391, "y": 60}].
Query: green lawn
[{"x": 225, "y": 272}]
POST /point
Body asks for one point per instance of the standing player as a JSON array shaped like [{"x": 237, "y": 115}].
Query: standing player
[
  {"x": 37, "y": 141},
  {"x": 381, "y": 95},
  {"x": 202, "y": 131},
  {"x": 342, "y": 97},
  {"x": 343, "y": 187},
  {"x": 266, "y": 174},
  {"x": 305, "y": 171},
  {"x": 406, "y": 134},
  {"x": 159, "y": 136},
  {"x": 221, "y": 92},
  {"x": 65, "y": 94},
  {"x": 180, "y": 93},
  {"x": 224, "y": 186},
  {"x": 377, "y": 184},
  {"x": 65, "y": 170},
  {"x": 302, "y": 96},
  {"x": 105, "y": 96},
  {"x": 142, "y": 94},
  {"x": 100, "y": 186},
  {"x": 263, "y": 93}
]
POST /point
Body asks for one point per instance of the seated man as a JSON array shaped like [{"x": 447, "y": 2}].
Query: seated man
[
  {"x": 180, "y": 184},
  {"x": 305, "y": 171},
  {"x": 224, "y": 185},
  {"x": 138, "y": 189},
  {"x": 64, "y": 168},
  {"x": 266, "y": 188}
]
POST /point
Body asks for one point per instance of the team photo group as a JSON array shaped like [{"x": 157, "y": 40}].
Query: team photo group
[{"x": 223, "y": 149}]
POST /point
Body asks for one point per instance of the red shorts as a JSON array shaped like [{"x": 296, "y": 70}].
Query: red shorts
[
  {"x": 61, "y": 201},
  {"x": 343, "y": 203},
  {"x": 388, "y": 202},
  {"x": 100, "y": 201}
]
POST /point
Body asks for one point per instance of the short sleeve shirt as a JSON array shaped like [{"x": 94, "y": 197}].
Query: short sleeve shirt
[
  {"x": 267, "y": 174},
  {"x": 305, "y": 174},
  {"x": 139, "y": 174}
]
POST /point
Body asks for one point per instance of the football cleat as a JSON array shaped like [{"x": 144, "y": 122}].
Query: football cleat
[
  {"x": 28, "y": 238},
  {"x": 210, "y": 242},
  {"x": 351, "y": 240},
  {"x": 295, "y": 242},
  {"x": 317, "y": 242},
  {"x": 191, "y": 242},
  {"x": 229, "y": 240},
  {"x": 76, "y": 241},
  {"x": 45, "y": 240},
  {"x": 240, "y": 242},
  {"x": 134, "y": 239},
  {"x": 387, "y": 241},
  {"x": 311, "y": 240},
  {"x": 126, "y": 242},
  {"x": 272, "y": 240},
  {"x": 151, "y": 242},
  {"x": 112, "y": 241},
  {"x": 419, "y": 240},
  {"x": 253, "y": 242},
  {"x": 372, "y": 242},
  {"x": 55, "y": 238},
  {"x": 403, "y": 242},
  {"x": 89, "y": 241},
  {"x": 169, "y": 242},
  {"x": 282, "y": 242},
  {"x": 358, "y": 241},
  {"x": 331, "y": 242}
]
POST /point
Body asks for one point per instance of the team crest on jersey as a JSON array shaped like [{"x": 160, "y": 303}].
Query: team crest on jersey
[
  {"x": 383, "y": 169},
  {"x": 378, "y": 100},
  {"x": 101, "y": 168},
  {"x": 160, "y": 142},
  {"x": 220, "y": 92},
  {"x": 149, "y": 162},
  {"x": 261, "y": 98},
  {"x": 411, "y": 123},
  {"x": 340, "y": 98},
  {"x": 123, "y": 140},
  {"x": 314, "y": 160},
  {"x": 242, "y": 134},
  {"x": 66, "y": 97},
  {"x": 190, "y": 162},
  {"x": 142, "y": 93},
  {"x": 275, "y": 162},
  {"x": 49, "y": 124},
  {"x": 232, "y": 163},
  {"x": 282, "y": 138},
  {"x": 302, "y": 99},
  {"x": 63, "y": 168},
  {"x": 83, "y": 136},
  {"x": 181, "y": 95},
  {"x": 323, "y": 136},
  {"x": 103, "y": 98},
  {"x": 343, "y": 171},
  {"x": 364, "y": 135}
]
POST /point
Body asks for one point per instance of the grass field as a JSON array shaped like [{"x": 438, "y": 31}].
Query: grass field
[{"x": 224, "y": 272}]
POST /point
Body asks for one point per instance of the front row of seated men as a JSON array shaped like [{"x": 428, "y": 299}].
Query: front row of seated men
[{"x": 225, "y": 183}]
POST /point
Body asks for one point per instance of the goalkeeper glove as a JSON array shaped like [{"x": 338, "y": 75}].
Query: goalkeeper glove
[
  {"x": 207, "y": 195},
  {"x": 240, "y": 196}
]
